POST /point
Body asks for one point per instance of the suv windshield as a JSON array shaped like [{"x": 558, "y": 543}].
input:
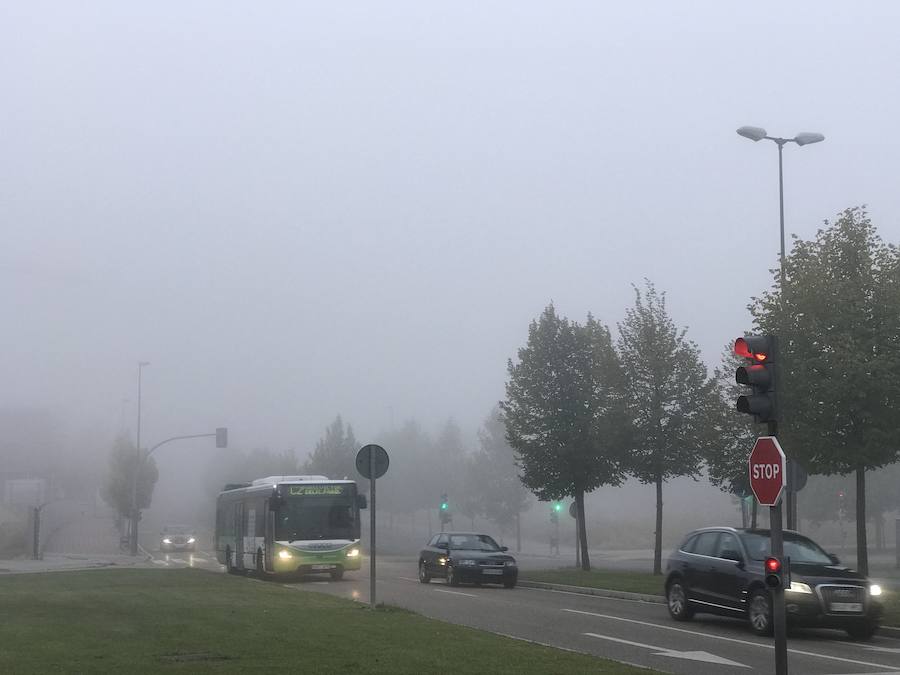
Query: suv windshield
[
  {"x": 473, "y": 542},
  {"x": 797, "y": 547}
]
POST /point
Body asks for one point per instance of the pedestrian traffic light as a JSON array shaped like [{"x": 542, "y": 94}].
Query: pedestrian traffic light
[
  {"x": 761, "y": 352},
  {"x": 774, "y": 568}
]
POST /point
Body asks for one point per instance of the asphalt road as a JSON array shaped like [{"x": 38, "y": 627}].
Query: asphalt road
[{"x": 633, "y": 632}]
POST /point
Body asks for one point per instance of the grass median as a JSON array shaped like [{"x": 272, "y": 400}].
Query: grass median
[
  {"x": 149, "y": 621},
  {"x": 631, "y": 582}
]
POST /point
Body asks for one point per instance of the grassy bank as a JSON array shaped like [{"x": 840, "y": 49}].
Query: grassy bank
[
  {"x": 149, "y": 621},
  {"x": 632, "y": 582}
]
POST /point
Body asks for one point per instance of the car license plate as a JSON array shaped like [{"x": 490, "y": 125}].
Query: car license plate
[
  {"x": 488, "y": 571},
  {"x": 322, "y": 567},
  {"x": 845, "y": 607}
]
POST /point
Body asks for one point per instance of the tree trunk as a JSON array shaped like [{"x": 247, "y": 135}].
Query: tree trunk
[
  {"x": 582, "y": 531},
  {"x": 657, "y": 543},
  {"x": 518, "y": 532},
  {"x": 754, "y": 512},
  {"x": 862, "y": 550}
]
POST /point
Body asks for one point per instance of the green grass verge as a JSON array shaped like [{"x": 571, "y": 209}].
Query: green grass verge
[
  {"x": 190, "y": 621},
  {"x": 632, "y": 582}
]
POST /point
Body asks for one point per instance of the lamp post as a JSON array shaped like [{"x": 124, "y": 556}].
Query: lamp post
[
  {"x": 133, "y": 543},
  {"x": 801, "y": 139}
]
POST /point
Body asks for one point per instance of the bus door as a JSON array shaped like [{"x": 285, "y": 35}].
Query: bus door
[
  {"x": 239, "y": 535},
  {"x": 269, "y": 536}
]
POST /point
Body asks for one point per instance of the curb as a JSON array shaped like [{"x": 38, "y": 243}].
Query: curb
[{"x": 599, "y": 592}]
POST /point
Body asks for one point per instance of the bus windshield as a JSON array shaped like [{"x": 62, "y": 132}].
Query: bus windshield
[{"x": 317, "y": 512}]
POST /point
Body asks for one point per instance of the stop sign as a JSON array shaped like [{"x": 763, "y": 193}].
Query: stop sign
[{"x": 767, "y": 474}]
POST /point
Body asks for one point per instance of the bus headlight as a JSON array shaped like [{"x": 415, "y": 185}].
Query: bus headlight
[
  {"x": 284, "y": 554},
  {"x": 353, "y": 553},
  {"x": 874, "y": 589}
]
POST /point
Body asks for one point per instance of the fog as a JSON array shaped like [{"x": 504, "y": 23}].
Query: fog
[{"x": 297, "y": 211}]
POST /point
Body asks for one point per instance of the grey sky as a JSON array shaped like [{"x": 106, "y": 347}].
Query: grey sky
[{"x": 300, "y": 209}]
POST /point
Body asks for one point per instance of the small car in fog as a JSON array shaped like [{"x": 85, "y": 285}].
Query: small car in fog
[
  {"x": 467, "y": 557},
  {"x": 177, "y": 538},
  {"x": 720, "y": 570}
]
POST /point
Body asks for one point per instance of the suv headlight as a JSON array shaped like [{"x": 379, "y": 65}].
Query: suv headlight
[
  {"x": 510, "y": 563},
  {"x": 467, "y": 562},
  {"x": 874, "y": 590},
  {"x": 799, "y": 587}
]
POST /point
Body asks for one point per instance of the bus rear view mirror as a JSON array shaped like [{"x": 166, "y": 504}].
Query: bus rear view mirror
[{"x": 362, "y": 502}]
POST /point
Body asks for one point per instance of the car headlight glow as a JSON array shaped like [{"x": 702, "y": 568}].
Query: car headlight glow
[
  {"x": 874, "y": 589},
  {"x": 353, "y": 553},
  {"x": 467, "y": 562},
  {"x": 284, "y": 554},
  {"x": 191, "y": 540},
  {"x": 799, "y": 587},
  {"x": 167, "y": 541},
  {"x": 442, "y": 561}
]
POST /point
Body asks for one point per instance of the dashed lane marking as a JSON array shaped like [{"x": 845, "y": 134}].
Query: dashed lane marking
[{"x": 442, "y": 590}]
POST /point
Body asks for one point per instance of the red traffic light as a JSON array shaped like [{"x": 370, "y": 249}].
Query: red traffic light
[
  {"x": 744, "y": 347},
  {"x": 773, "y": 565}
]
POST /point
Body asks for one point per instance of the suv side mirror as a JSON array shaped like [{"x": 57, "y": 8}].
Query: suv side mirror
[
  {"x": 834, "y": 559},
  {"x": 504, "y": 548}
]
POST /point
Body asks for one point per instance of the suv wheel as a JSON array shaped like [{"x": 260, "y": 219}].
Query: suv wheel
[
  {"x": 759, "y": 612},
  {"x": 677, "y": 601}
]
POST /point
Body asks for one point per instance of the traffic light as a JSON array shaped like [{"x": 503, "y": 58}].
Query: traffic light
[
  {"x": 445, "y": 509},
  {"x": 555, "y": 508},
  {"x": 761, "y": 352},
  {"x": 774, "y": 571},
  {"x": 778, "y": 573}
]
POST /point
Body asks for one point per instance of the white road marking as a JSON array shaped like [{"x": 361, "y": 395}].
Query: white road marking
[
  {"x": 873, "y": 648},
  {"x": 728, "y": 639},
  {"x": 706, "y": 657},
  {"x": 179, "y": 560},
  {"x": 468, "y": 595},
  {"x": 407, "y": 579},
  {"x": 160, "y": 562},
  {"x": 582, "y": 595}
]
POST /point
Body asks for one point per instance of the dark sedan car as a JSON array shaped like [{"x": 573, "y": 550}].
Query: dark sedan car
[
  {"x": 719, "y": 570},
  {"x": 467, "y": 557}
]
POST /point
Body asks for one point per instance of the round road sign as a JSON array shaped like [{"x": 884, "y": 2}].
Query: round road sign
[
  {"x": 364, "y": 462},
  {"x": 767, "y": 470}
]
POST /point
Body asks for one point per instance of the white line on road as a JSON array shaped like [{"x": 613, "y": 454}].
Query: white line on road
[
  {"x": 160, "y": 562},
  {"x": 407, "y": 579},
  {"x": 728, "y": 639},
  {"x": 706, "y": 657},
  {"x": 468, "y": 595}
]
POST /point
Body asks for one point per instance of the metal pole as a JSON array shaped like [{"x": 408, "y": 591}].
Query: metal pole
[
  {"x": 134, "y": 473},
  {"x": 35, "y": 548},
  {"x": 778, "y": 610},
  {"x": 372, "y": 528}
]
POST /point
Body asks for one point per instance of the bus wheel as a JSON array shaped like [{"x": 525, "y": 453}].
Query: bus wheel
[{"x": 337, "y": 574}]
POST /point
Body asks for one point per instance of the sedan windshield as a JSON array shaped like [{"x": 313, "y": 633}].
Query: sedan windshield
[
  {"x": 796, "y": 547},
  {"x": 473, "y": 542}
]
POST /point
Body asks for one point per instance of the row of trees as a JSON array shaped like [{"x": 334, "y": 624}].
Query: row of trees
[{"x": 583, "y": 410}]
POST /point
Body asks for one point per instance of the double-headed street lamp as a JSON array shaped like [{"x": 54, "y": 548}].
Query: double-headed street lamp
[{"x": 801, "y": 139}]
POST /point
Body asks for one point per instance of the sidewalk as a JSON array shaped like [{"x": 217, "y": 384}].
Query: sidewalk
[{"x": 57, "y": 562}]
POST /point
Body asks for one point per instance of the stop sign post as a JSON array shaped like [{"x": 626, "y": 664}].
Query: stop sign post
[{"x": 768, "y": 476}]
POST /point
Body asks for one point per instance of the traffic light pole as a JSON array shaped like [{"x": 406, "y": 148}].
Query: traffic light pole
[{"x": 778, "y": 610}]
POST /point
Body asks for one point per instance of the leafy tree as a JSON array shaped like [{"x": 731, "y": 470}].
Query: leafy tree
[
  {"x": 408, "y": 485},
  {"x": 669, "y": 398},
  {"x": 564, "y": 411},
  {"x": 335, "y": 453},
  {"x": 732, "y": 434},
  {"x": 116, "y": 491},
  {"x": 838, "y": 321},
  {"x": 499, "y": 492}
]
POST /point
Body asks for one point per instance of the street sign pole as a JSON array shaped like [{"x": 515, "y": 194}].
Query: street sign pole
[
  {"x": 778, "y": 610},
  {"x": 372, "y": 530}
]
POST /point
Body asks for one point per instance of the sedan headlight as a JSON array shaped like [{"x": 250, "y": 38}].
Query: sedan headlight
[
  {"x": 285, "y": 554},
  {"x": 799, "y": 587},
  {"x": 874, "y": 590},
  {"x": 167, "y": 541},
  {"x": 353, "y": 553},
  {"x": 191, "y": 540},
  {"x": 467, "y": 562}
]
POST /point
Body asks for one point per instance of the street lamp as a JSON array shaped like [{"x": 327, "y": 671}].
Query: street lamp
[
  {"x": 137, "y": 463},
  {"x": 804, "y": 138},
  {"x": 801, "y": 139}
]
